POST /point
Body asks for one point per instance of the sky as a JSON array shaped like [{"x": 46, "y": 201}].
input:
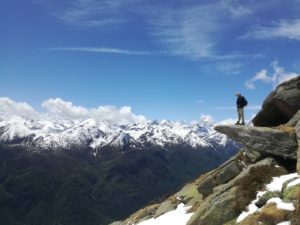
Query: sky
[{"x": 151, "y": 59}]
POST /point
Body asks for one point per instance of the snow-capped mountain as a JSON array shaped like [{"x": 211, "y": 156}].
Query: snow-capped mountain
[{"x": 59, "y": 133}]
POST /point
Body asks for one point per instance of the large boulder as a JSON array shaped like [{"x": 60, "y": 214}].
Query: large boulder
[
  {"x": 298, "y": 139},
  {"x": 280, "y": 106},
  {"x": 267, "y": 141}
]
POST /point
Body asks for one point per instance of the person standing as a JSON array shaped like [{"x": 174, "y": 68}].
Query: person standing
[{"x": 241, "y": 102}]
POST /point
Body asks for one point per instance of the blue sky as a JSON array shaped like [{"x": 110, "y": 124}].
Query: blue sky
[{"x": 165, "y": 59}]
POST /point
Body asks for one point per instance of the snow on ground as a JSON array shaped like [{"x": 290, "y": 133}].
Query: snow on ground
[
  {"x": 275, "y": 185},
  {"x": 281, "y": 205},
  {"x": 179, "y": 216},
  {"x": 285, "y": 223},
  {"x": 295, "y": 182},
  {"x": 252, "y": 208}
]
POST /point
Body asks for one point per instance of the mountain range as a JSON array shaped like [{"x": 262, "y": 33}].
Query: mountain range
[
  {"x": 56, "y": 171},
  {"x": 63, "y": 133}
]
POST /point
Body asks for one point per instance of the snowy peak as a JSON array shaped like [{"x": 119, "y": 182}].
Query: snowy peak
[{"x": 57, "y": 132}]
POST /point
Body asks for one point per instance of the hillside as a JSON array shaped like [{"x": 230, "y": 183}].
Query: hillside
[{"x": 260, "y": 185}]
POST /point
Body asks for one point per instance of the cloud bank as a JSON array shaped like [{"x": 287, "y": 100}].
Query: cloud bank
[
  {"x": 279, "y": 75},
  {"x": 9, "y": 107},
  {"x": 58, "y": 108}
]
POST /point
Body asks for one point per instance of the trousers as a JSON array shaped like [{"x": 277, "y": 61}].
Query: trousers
[{"x": 241, "y": 116}]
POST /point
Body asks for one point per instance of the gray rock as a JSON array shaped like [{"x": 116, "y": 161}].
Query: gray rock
[
  {"x": 298, "y": 139},
  {"x": 267, "y": 196},
  {"x": 281, "y": 105},
  {"x": 229, "y": 172},
  {"x": 293, "y": 122},
  {"x": 252, "y": 156},
  {"x": 206, "y": 187},
  {"x": 165, "y": 207},
  {"x": 117, "y": 223},
  {"x": 265, "y": 140}
]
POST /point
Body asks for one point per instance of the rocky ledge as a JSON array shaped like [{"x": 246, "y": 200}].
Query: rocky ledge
[{"x": 280, "y": 141}]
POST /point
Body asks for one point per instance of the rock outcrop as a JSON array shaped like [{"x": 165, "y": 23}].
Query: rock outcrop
[
  {"x": 265, "y": 140},
  {"x": 280, "y": 105},
  {"x": 298, "y": 151},
  {"x": 220, "y": 196}
]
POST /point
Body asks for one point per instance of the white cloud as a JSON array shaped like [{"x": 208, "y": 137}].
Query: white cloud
[
  {"x": 102, "y": 50},
  {"x": 236, "y": 9},
  {"x": 263, "y": 76},
  {"x": 191, "y": 30},
  {"x": 9, "y": 107},
  {"x": 186, "y": 31},
  {"x": 61, "y": 108},
  {"x": 66, "y": 110},
  {"x": 249, "y": 84},
  {"x": 279, "y": 75},
  {"x": 282, "y": 29},
  {"x": 206, "y": 120},
  {"x": 94, "y": 13},
  {"x": 116, "y": 115},
  {"x": 195, "y": 31}
]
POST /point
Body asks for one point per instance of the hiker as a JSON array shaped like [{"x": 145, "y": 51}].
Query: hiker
[{"x": 241, "y": 102}]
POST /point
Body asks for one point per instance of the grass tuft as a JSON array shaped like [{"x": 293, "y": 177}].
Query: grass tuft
[{"x": 256, "y": 180}]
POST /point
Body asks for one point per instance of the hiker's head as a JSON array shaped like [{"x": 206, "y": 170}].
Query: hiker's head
[{"x": 237, "y": 94}]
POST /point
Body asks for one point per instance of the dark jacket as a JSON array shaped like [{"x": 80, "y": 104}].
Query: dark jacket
[{"x": 241, "y": 102}]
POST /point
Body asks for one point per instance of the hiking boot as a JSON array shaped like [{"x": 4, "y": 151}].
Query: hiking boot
[
  {"x": 237, "y": 123},
  {"x": 243, "y": 123}
]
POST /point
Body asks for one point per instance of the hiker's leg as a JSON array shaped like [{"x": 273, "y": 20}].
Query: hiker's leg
[
  {"x": 242, "y": 115},
  {"x": 239, "y": 115}
]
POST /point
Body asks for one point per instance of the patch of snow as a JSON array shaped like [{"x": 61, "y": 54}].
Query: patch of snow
[
  {"x": 281, "y": 205},
  {"x": 179, "y": 216},
  {"x": 252, "y": 208},
  {"x": 294, "y": 183},
  {"x": 275, "y": 185},
  {"x": 284, "y": 223},
  {"x": 277, "y": 182}
]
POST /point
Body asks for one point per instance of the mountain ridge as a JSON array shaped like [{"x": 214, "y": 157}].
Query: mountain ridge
[{"x": 62, "y": 133}]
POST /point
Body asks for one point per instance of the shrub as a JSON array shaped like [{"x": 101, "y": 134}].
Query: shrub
[
  {"x": 269, "y": 215},
  {"x": 296, "y": 213}
]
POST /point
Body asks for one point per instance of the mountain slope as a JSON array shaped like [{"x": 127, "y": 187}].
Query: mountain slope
[{"x": 63, "y": 172}]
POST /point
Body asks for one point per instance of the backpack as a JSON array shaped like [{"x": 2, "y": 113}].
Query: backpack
[{"x": 245, "y": 102}]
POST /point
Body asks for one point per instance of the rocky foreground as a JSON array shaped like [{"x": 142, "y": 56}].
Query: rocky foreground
[{"x": 243, "y": 190}]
